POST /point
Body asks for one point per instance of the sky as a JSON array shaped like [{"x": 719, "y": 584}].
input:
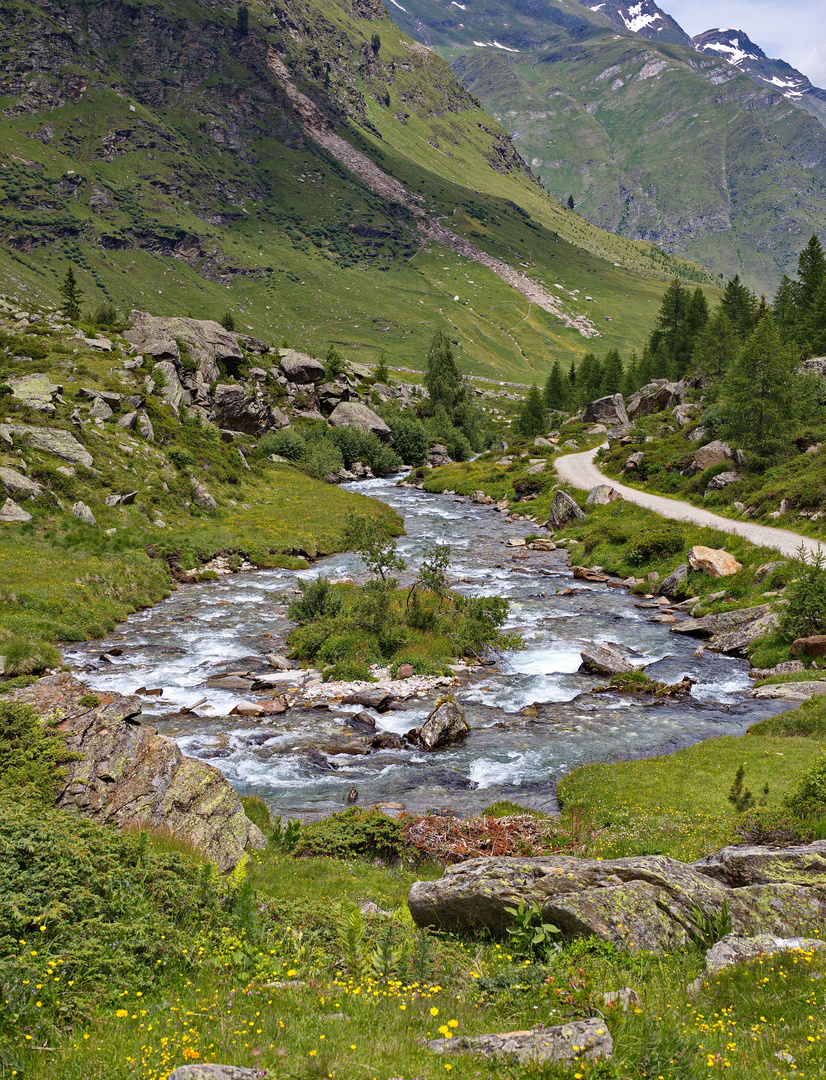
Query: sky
[{"x": 793, "y": 30}]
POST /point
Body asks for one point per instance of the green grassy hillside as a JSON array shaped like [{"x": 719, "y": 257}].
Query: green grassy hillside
[{"x": 155, "y": 147}]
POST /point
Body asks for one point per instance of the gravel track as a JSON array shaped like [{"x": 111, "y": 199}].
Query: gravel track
[{"x": 580, "y": 471}]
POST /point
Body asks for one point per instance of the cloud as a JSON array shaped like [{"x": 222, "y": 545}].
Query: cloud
[{"x": 782, "y": 30}]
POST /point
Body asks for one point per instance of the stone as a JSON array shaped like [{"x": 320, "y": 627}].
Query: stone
[
  {"x": 173, "y": 391},
  {"x": 202, "y": 496},
  {"x": 127, "y": 773},
  {"x": 100, "y": 410},
  {"x": 517, "y": 541},
  {"x": 35, "y": 391},
  {"x": 360, "y": 721},
  {"x": 722, "y": 480},
  {"x": 564, "y": 509},
  {"x": 796, "y": 691},
  {"x": 143, "y": 426},
  {"x": 19, "y": 485},
  {"x": 585, "y": 573},
  {"x": 814, "y": 646},
  {"x": 637, "y": 903},
  {"x": 602, "y": 495},
  {"x": 480, "y": 498},
  {"x": 299, "y": 368},
  {"x": 734, "y": 949},
  {"x": 280, "y": 662},
  {"x": 11, "y": 513},
  {"x": 677, "y": 577},
  {"x": 82, "y": 512},
  {"x": 540, "y": 440},
  {"x": 252, "y": 344},
  {"x": 330, "y": 394},
  {"x": 377, "y": 698},
  {"x": 236, "y": 410},
  {"x": 655, "y": 397},
  {"x": 730, "y": 631},
  {"x": 765, "y": 570},
  {"x": 713, "y": 453},
  {"x": 354, "y": 414},
  {"x": 51, "y": 441},
  {"x": 610, "y": 409},
  {"x": 604, "y": 660},
  {"x": 405, "y": 671},
  {"x": 386, "y": 740},
  {"x": 753, "y": 864},
  {"x": 583, "y": 1040},
  {"x": 535, "y": 470},
  {"x": 542, "y": 544},
  {"x": 207, "y": 341},
  {"x": 217, "y": 1072},
  {"x": 633, "y": 461},
  {"x": 446, "y": 724},
  {"x": 714, "y": 562}
]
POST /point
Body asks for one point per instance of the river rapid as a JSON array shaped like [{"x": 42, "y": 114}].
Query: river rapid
[{"x": 305, "y": 762}]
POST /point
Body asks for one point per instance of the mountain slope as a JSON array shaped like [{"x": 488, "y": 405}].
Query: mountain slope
[
  {"x": 185, "y": 163},
  {"x": 643, "y": 18},
  {"x": 736, "y": 47},
  {"x": 654, "y": 140}
]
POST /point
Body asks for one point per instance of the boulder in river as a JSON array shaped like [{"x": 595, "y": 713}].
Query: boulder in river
[
  {"x": 126, "y": 772},
  {"x": 377, "y": 698},
  {"x": 731, "y": 632},
  {"x": 605, "y": 660},
  {"x": 446, "y": 724},
  {"x": 637, "y": 903},
  {"x": 714, "y": 562}
]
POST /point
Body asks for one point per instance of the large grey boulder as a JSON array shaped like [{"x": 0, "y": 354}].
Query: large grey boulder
[
  {"x": 583, "y": 1040},
  {"x": 653, "y": 398},
  {"x": 638, "y": 903},
  {"x": 202, "y": 495},
  {"x": 12, "y": 514},
  {"x": 300, "y": 368},
  {"x": 602, "y": 495},
  {"x": 355, "y": 415},
  {"x": 713, "y": 453},
  {"x": 609, "y": 409},
  {"x": 753, "y": 864},
  {"x": 564, "y": 509},
  {"x": 51, "y": 441},
  {"x": 671, "y": 586},
  {"x": 207, "y": 341},
  {"x": 82, "y": 512},
  {"x": 35, "y": 391},
  {"x": 236, "y": 410},
  {"x": 605, "y": 661},
  {"x": 446, "y": 724},
  {"x": 126, "y": 773},
  {"x": 214, "y": 1072},
  {"x": 731, "y": 632},
  {"x": 173, "y": 391},
  {"x": 19, "y": 485}
]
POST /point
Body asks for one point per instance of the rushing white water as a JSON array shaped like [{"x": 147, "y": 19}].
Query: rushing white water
[{"x": 530, "y": 721}]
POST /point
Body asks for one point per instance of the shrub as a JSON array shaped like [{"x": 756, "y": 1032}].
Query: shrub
[
  {"x": 355, "y": 645},
  {"x": 181, "y": 459},
  {"x": 650, "y": 545},
  {"x": 324, "y": 460},
  {"x": 348, "y": 671},
  {"x": 319, "y": 599},
  {"x": 805, "y": 610},
  {"x": 287, "y": 443},
  {"x": 809, "y": 801},
  {"x": 411, "y": 439},
  {"x": 31, "y": 754},
  {"x": 105, "y": 314},
  {"x": 353, "y": 833}
]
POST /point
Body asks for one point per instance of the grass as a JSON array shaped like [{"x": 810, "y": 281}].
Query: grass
[
  {"x": 808, "y": 720},
  {"x": 678, "y": 804}
]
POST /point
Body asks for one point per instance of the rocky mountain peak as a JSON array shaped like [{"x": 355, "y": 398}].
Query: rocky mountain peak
[{"x": 643, "y": 17}]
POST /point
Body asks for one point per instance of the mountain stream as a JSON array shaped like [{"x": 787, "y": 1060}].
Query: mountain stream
[{"x": 305, "y": 762}]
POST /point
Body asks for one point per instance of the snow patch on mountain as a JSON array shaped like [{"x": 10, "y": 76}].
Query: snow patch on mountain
[
  {"x": 493, "y": 45},
  {"x": 637, "y": 19},
  {"x": 736, "y": 55}
]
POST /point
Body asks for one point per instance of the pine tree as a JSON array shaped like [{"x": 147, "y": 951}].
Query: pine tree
[
  {"x": 763, "y": 396},
  {"x": 669, "y": 338},
  {"x": 811, "y": 273},
  {"x": 228, "y": 321},
  {"x": 631, "y": 381},
  {"x": 739, "y": 304},
  {"x": 531, "y": 419},
  {"x": 571, "y": 203},
  {"x": 442, "y": 377},
  {"x": 572, "y": 378},
  {"x": 588, "y": 379},
  {"x": 611, "y": 373},
  {"x": 716, "y": 348},
  {"x": 242, "y": 20},
  {"x": 72, "y": 296},
  {"x": 696, "y": 317},
  {"x": 557, "y": 391}
]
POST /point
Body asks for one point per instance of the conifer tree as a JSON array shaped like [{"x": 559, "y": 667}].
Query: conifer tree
[
  {"x": 442, "y": 377},
  {"x": 531, "y": 419},
  {"x": 716, "y": 348},
  {"x": 611, "y": 373},
  {"x": 739, "y": 304},
  {"x": 763, "y": 396},
  {"x": 72, "y": 296},
  {"x": 557, "y": 391}
]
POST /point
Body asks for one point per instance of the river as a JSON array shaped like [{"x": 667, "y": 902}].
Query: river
[{"x": 304, "y": 762}]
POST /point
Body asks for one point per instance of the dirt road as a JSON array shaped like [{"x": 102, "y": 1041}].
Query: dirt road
[{"x": 580, "y": 471}]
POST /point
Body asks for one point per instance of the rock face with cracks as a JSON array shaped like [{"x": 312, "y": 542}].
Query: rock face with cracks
[
  {"x": 126, "y": 772},
  {"x": 645, "y": 902}
]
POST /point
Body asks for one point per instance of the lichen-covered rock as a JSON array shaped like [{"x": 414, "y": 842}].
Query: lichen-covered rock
[
  {"x": 585, "y": 1040},
  {"x": 601, "y": 495},
  {"x": 733, "y": 949},
  {"x": 646, "y": 902},
  {"x": 713, "y": 453},
  {"x": 202, "y": 495},
  {"x": 82, "y": 512},
  {"x": 207, "y": 341},
  {"x": 354, "y": 414},
  {"x": 127, "y": 773},
  {"x": 795, "y": 692},
  {"x": 446, "y": 724},
  {"x": 236, "y": 410},
  {"x": 173, "y": 391},
  {"x": 675, "y": 579},
  {"x": 214, "y": 1072},
  {"x": 299, "y": 368},
  {"x": 36, "y": 391},
  {"x": 11, "y": 513},
  {"x": 51, "y": 441},
  {"x": 810, "y": 646},
  {"x": 19, "y": 485},
  {"x": 751, "y": 864},
  {"x": 564, "y": 508}
]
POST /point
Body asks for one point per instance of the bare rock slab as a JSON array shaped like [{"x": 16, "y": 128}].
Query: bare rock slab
[
  {"x": 127, "y": 773},
  {"x": 18, "y": 485},
  {"x": 587, "y": 1040},
  {"x": 214, "y": 1072},
  {"x": 11, "y": 513},
  {"x": 714, "y": 562},
  {"x": 51, "y": 441}
]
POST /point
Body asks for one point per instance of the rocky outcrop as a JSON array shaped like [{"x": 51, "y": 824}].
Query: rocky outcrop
[
  {"x": 35, "y": 391},
  {"x": 655, "y": 397},
  {"x": 51, "y": 441},
  {"x": 604, "y": 660},
  {"x": 713, "y": 453},
  {"x": 214, "y": 1072},
  {"x": 583, "y": 1040},
  {"x": 446, "y": 724},
  {"x": 299, "y": 368},
  {"x": 127, "y": 773},
  {"x": 354, "y": 414},
  {"x": 794, "y": 692},
  {"x": 609, "y": 410},
  {"x": 236, "y": 410},
  {"x": 638, "y": 903},
  {"x": 714, "y": 562},
  {"x": 563, "y": 509},
  {"x": 207, "y": 341},
  {"x": 731, "y": 631},
  {"x": 18, "y": 485}
]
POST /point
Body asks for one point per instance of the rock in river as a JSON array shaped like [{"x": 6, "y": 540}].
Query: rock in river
[
  {"x": 127, "y": 773},
  {"x": 605, "y": 661},
  {"x": 445, "y": 725}
]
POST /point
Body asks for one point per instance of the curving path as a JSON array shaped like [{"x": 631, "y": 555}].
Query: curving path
[{"x": 579, "y": 471}]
